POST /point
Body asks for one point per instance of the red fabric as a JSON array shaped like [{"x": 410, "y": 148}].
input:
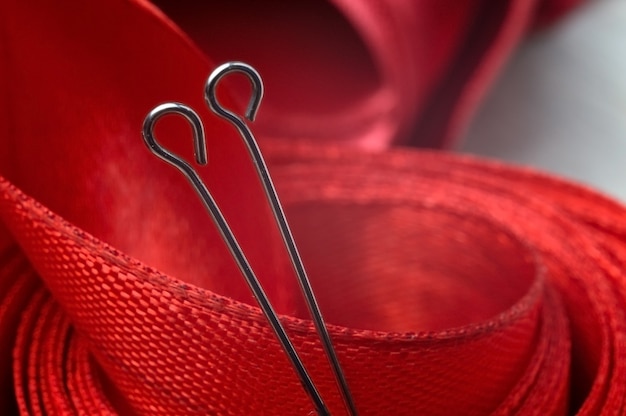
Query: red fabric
[
  {"x": 454, "y": 286},
  {"x": 370, "y": 73},
  {"x": 401, "y": 72}
]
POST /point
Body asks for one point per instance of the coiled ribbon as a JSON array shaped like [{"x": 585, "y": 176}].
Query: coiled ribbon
[{"x": 454, "y": 286}]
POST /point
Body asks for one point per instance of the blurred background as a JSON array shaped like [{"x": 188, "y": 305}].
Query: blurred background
[{"x": 560, "y": 104}]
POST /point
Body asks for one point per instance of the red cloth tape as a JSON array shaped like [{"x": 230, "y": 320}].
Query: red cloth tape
[{"x": 455, "y": 286}]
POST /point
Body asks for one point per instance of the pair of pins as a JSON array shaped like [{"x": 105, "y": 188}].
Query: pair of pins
[{"x": 205, "y": 195}]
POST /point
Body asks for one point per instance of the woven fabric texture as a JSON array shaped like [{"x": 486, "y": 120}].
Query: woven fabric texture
[{"x": 453, "y": 286}]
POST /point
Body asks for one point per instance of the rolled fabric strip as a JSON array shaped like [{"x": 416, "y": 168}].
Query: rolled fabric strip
[
  {"x": 453, "y": 286},
  {"x": 370, "y": 73}
]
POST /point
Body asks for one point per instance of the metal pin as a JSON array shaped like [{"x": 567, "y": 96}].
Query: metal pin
[
  {"x": 228, "y": 236},
  {"x": 279, "y": 215}
]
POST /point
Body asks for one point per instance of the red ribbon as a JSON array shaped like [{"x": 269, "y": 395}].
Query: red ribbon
[
  {"x": 368, "y": 73},
  {"x": 454, "y": 286}
]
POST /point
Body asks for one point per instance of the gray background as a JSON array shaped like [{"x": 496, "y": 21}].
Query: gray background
[{"x": 560, "y": 104}]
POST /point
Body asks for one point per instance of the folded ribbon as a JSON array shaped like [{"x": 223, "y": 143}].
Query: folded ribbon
[
  {"x": 454, "y": 286},
  {"x": 368, "y": 73}
]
